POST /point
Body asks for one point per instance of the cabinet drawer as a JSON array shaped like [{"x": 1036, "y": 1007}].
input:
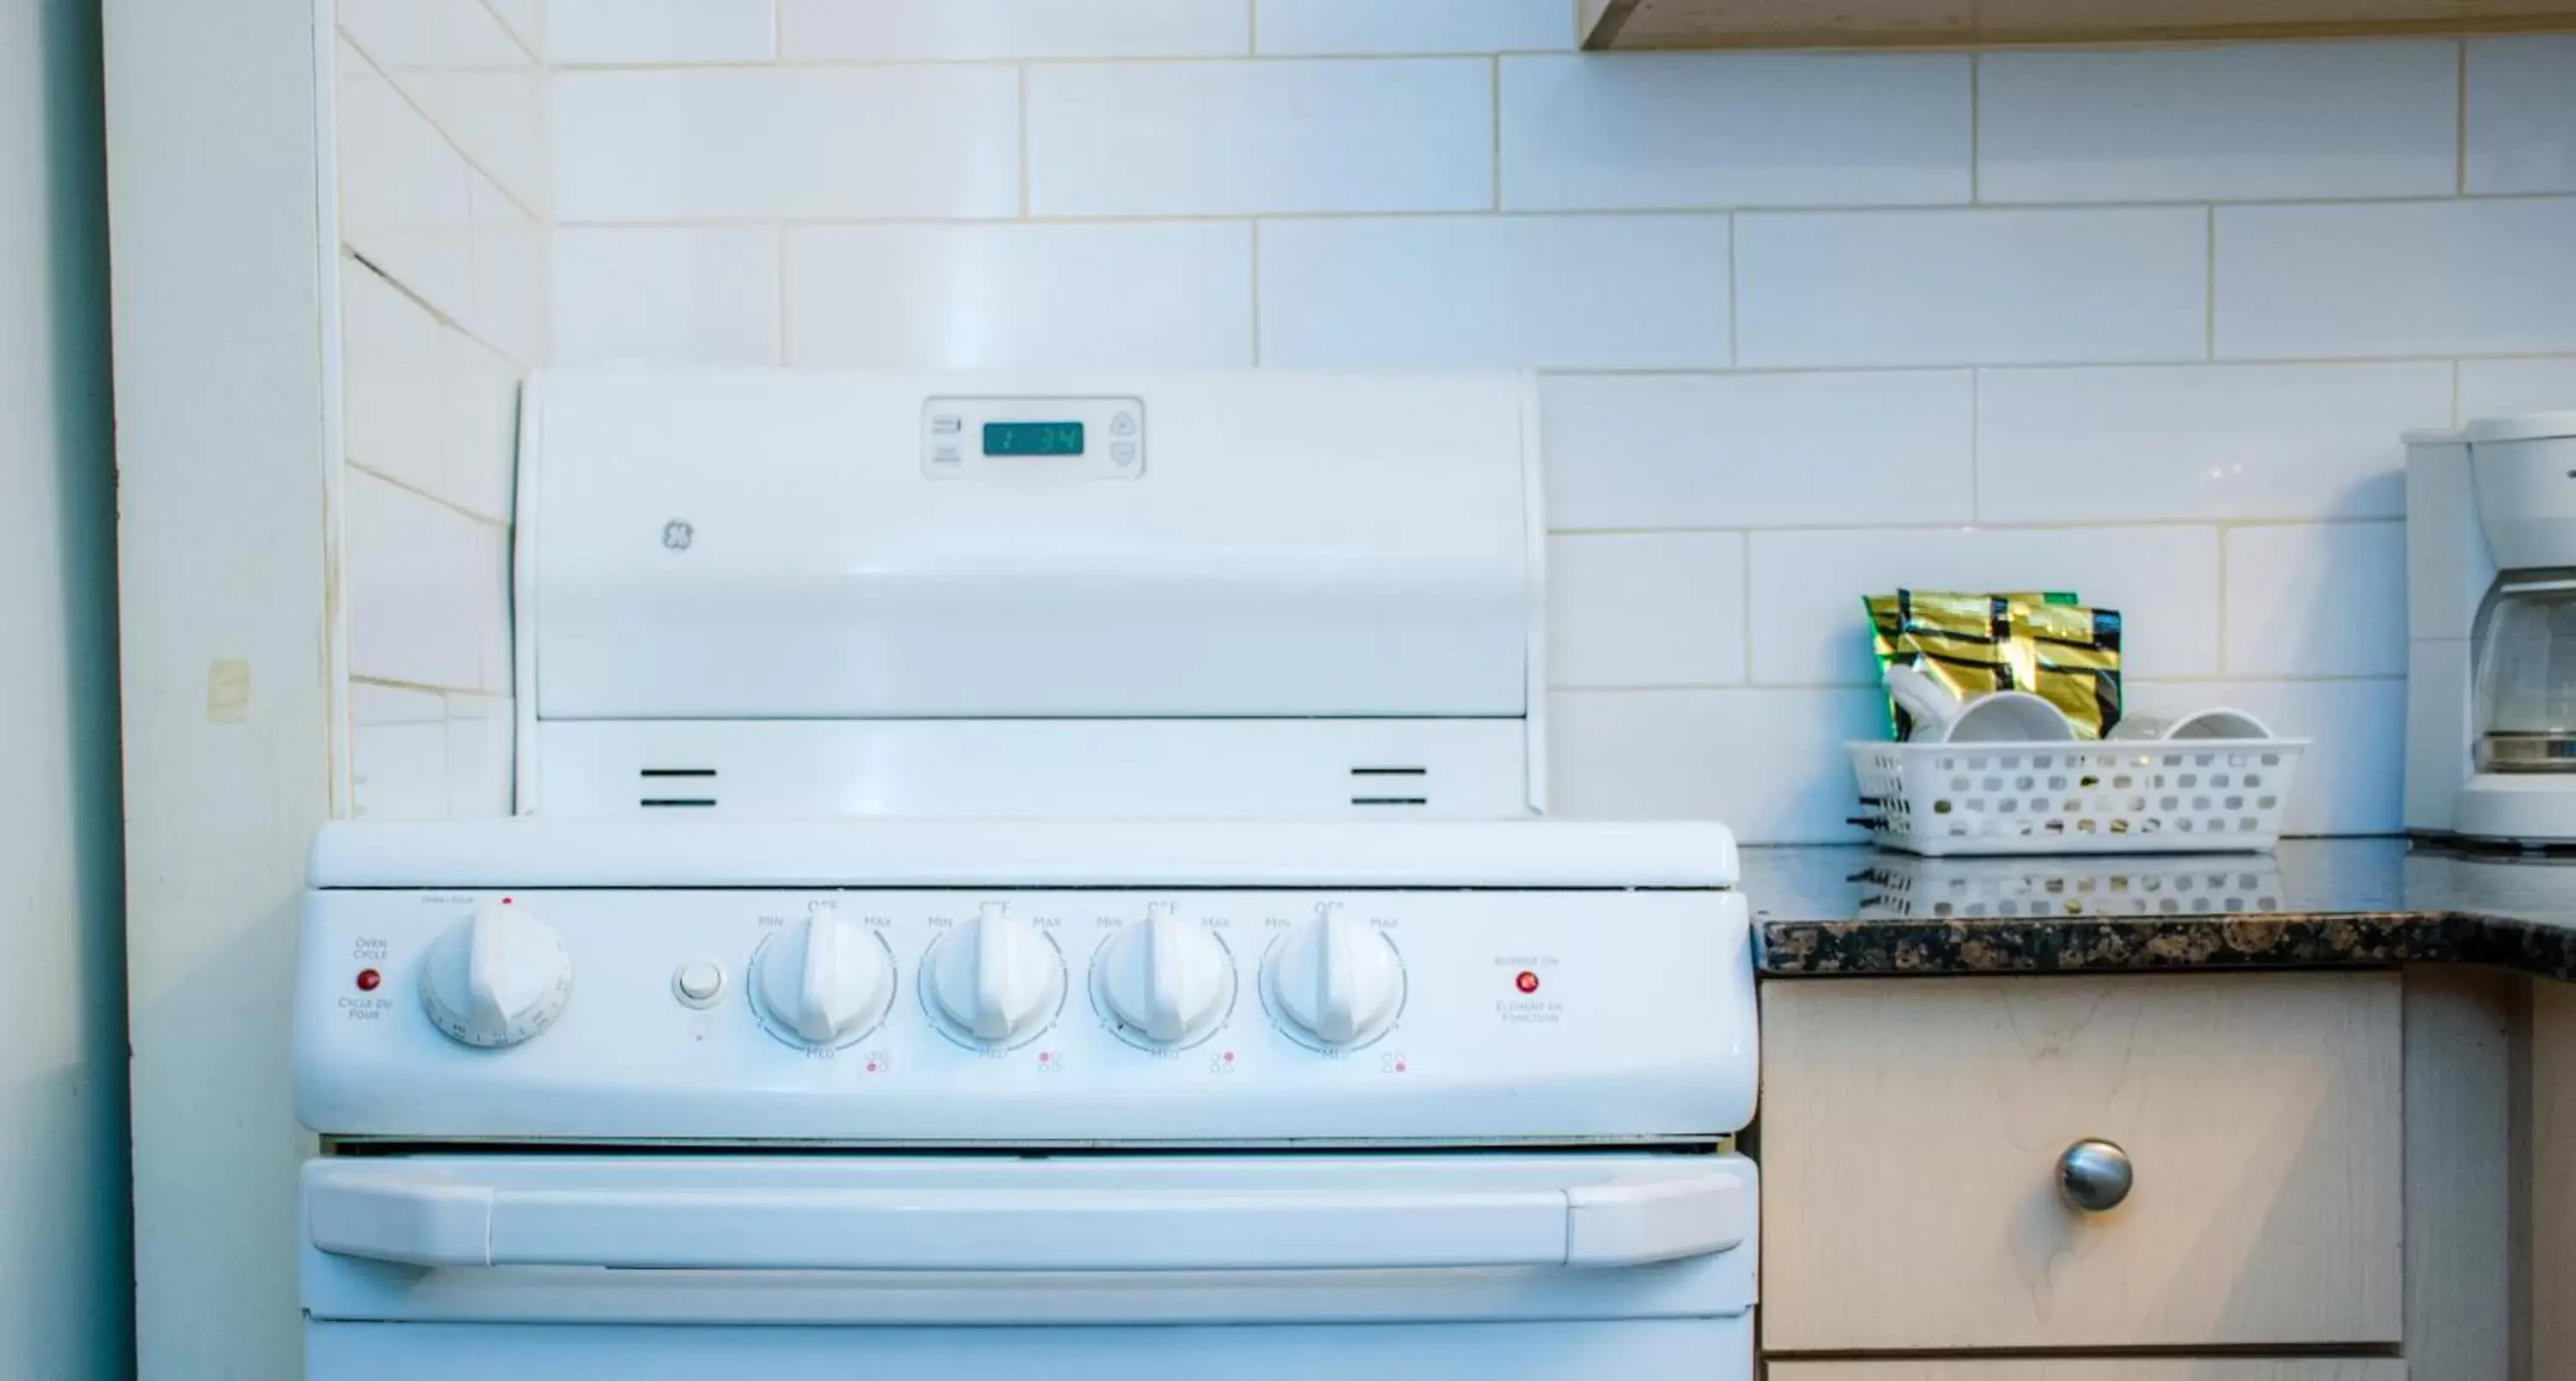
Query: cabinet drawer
[
  {"x": 1912, "y": 1128},
  {"x": 2100, "y": 1369}
]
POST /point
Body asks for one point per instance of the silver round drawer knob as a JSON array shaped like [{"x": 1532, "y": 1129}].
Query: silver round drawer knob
[{"x": 2095, "y": 1175}]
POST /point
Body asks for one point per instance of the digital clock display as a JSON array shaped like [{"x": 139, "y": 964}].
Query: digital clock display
[{"x": 1033, "y": 438}]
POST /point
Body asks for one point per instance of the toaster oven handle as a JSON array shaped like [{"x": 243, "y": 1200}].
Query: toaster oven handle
[{"x": 438, "y": 1219}]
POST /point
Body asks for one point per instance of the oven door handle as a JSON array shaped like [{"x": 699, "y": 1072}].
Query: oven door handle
[{"x": 426, "y": 1218}]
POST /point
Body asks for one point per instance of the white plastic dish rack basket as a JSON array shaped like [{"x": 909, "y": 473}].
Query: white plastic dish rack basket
[
  {"x": 2120, "y": 796},
  {"x": 1900, "y": 889}
]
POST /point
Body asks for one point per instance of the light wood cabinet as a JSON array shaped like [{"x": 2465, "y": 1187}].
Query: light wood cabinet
[
  {"x": 2098, "y": 1369},
  {"x": 1910, "y": 1136},
  {"x": 1903, "y": 23}
]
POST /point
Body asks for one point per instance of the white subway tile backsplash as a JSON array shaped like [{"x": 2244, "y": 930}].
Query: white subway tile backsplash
[
  {"x": 1971, "y": 287},
  {"x": 509, "y": 312},
  {"x": 1326, "y": 28},
  {"x": 2316, "y": 600},
  {"x": 479, "y": 777},
  {"x": 464, "y": 69},
  {"x": 2201, "y": 441},
  {"x": 1570, "y": 292},
  {"x": 1173, "y": 294},
  {"x": 397, "y": 754},
  {"x": 489, "y": 583},
  {"x": 1654, "y": 609},
  {"x": 2466, "y": 277},
  {"x": 787, "y": 142},
  {"x": 840, "y": 31},
  {"x": 1770, "y": 763},
  {"x": 391, "y": 399},
  {"x": 1672, "y": 130},
  {"x": 662, "y": 31},
  {"x": 2350, "y": 777},
  {"x": 1760, "y": 450},
  {"x": 406, "y": 198},
  {"x": 2504, "y": 388},
  {"x": 1809, "y": 627},
  {"x": 2522, "y": 114},
  {"x": 419, "y": 607},
  {"x": 830, "y": 182},
  {"x": 2241, "y": 122},
  {"x": 478, "y": 426},
  {"x": 679, "y": 295},
  {"x": 498, "y": 120},
  {"x": 1238, "y": 138}
]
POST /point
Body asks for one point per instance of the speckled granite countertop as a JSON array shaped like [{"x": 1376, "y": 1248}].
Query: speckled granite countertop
[{"x": 2312, "y": 903}]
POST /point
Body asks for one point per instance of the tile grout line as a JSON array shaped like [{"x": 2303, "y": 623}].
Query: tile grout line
[
  {"x": 424, "y": 688},
  {"x": 2209, "y": 301},
  {"x": 517, "y": 39},
  {"x": 1976, "y": 128},
  {"x": 2460, "y": 152},
  {"x": 2003, "y": 528},
  {"x": 1734, "y": 294},
  {"x": 436, "y": 313},
  {"x": 1812, "y": 688},
  {"x": 501, "y": 525},
  {"x": 866, "y": 64},
  {"x": 1676, "y": 211}
]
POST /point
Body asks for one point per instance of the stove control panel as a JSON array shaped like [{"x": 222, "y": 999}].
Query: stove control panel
[{"x": 911, "y": 1017}]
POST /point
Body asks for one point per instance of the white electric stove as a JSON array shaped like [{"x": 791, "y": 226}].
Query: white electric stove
[{"x": 1236, "y": 1017}]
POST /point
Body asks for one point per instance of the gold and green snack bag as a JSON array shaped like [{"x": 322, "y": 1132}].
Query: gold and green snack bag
[{"x": 1976, "y": 644}]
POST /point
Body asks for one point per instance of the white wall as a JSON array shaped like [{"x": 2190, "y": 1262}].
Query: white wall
[
  {"x": 442, "y": 186},
  {"x": 65, "y": 1268},
  {"x": 2141, "y": 324}
]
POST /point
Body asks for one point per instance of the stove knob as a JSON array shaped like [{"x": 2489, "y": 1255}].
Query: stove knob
[
  {"x": 823, "y": 979},
  {"x": 498, "y": 979},
  {"x": 1336, "y": 979},
  {"x": 1166, "y": 979},
  {"x": 995, "y": 977}
]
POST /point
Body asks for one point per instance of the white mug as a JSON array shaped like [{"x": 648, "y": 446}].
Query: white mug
[
  {"x": 2002, "y": 717},
  {"x": 2200, "y": 724}
]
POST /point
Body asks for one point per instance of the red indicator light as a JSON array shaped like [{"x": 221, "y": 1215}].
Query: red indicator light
[
  {"x": 368, "y": 979},
  {"x": 1229, "y": 1057},
  {"x": 1527, "y": 982},
  {"x": 1043, "y": 1057}
]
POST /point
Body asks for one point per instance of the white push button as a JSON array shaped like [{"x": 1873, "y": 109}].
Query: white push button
[
  {"x": 1123, "y": 452},
  {"x": 699, "y": 983},
  {"x": 946, "y": 426},
  {"x": 1124, "y": 424}
]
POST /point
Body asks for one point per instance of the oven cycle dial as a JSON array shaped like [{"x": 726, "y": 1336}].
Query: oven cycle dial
[
  {"x": 823, "y": 981},
  {"x": 1166, "y": 982},
  {"x": 1334, "y": 981},
  {"x": 994, "y": 981},
  {"x": 497, "y": 979}
]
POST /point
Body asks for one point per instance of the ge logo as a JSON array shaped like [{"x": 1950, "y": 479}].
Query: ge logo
[{"x": 678, "y": 535}]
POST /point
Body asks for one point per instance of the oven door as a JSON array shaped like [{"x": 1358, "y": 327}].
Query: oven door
[{"x": 656, "y": 1266}]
